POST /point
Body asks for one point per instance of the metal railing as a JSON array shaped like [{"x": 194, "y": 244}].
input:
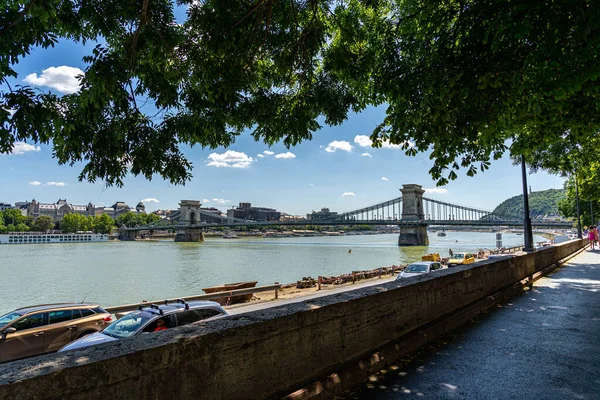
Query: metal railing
[{"x": 210, "y": 296}]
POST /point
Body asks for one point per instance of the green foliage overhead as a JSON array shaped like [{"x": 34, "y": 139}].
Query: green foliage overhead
[
  {"x": 541, "y": 203},
  {"x": 459, "y": 78}
]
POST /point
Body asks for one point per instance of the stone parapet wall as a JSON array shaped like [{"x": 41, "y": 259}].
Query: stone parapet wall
[{"x": 267, "y": 353}]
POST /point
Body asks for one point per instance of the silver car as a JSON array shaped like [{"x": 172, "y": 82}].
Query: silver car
[
  {"x": 419, "y": 268},
  {"x": 152, "y": 318}
]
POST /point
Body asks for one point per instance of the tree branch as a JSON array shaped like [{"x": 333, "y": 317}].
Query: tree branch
[
  {"x": 136, "y": 35},
  {"x": 20, "y": 18}
]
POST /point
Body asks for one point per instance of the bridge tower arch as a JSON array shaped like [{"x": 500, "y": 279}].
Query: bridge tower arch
[
  {"x": 189, "y": 214},
  {"x": 413, "y": 231}
]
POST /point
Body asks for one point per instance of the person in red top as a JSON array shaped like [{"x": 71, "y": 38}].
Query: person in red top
[{"x": 160, "y": 325}]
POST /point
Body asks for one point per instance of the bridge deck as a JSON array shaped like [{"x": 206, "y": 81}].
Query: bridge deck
[{"x": 544, "y": 345}]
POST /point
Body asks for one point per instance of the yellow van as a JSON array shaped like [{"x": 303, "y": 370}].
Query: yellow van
[{"x": 461, "y": 259}]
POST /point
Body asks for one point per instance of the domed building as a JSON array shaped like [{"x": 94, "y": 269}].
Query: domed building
[{"x": 140, "y": 208}]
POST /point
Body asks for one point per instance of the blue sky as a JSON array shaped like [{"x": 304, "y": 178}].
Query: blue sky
[{"x": 313, "y": 175}]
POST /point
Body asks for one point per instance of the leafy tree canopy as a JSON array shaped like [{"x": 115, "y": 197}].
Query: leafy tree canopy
[
  {"x": 459, "y": 77},
  {"x": 103, "y": 224},
  {"x": 72, "y": 223},
  {"x": 589, "y": 206},
  {"x": 22, "y": 227},
  {"x": 43, "y": 223},
  {"x": 131, "y": 219},
  {"x": 12, "y": 216}
]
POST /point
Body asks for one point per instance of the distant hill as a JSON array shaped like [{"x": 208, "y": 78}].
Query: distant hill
[{"x": 544, "y": 202}]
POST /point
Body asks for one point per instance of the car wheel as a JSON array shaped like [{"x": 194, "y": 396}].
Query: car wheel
[{"x": 85, "y": 334}]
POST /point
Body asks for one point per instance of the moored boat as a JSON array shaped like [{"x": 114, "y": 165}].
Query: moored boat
[
  {"x": 231, "y": 286},
  {"x": 43, "y": 238}
]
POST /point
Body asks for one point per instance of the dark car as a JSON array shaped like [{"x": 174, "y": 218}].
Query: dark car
[
  {"x": 45, "y": 328},
  {"x": 152, "y": 318}
]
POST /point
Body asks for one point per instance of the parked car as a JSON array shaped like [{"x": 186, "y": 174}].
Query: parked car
[
  {"x": 461, "y": 259},
  {"x": 45, "y": 328},
  {"x": 419, "y": 268},
  {"x": 152, "y": 318}
]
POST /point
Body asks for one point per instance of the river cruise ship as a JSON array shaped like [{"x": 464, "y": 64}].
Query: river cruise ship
[{"x": 39, "y": 237}]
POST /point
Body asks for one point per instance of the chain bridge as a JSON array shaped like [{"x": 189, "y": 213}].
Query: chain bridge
[{"x": 411, "y": 211}]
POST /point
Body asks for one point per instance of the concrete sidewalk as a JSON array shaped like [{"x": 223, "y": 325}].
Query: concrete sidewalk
[{"x": 543, "y": 345}]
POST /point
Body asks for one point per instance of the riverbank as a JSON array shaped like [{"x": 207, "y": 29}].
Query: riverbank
[
  {"x": 120, "y": 272},
  {"x": 308, "y": 285}
]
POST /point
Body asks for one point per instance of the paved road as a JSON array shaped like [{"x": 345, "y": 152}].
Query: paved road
[
  {"x": 544, "y": 345},
  {"x": 242, "y": 309}
]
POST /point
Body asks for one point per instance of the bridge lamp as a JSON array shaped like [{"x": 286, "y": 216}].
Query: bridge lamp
[
  {"x": 528, "y": 234},
  {"x": 579, "y": 234}
]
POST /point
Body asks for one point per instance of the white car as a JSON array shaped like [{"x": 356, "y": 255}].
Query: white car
[{"x": 419, "y": 268}]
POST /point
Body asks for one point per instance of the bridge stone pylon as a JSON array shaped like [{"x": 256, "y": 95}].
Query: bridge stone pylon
[
  {"x": 415, "y": 232},
  {"x": 189, "y": 214}
]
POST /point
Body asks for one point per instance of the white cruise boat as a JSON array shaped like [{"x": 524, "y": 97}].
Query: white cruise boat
[{"x": 40, "y": 237}]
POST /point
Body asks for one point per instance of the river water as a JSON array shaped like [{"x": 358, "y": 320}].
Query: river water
[{"x": 128, "y": 272}]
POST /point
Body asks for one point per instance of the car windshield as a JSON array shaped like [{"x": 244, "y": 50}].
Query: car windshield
[
  {"x": 8, "y": 318},
  {"x": 126, "y": 326},
  {"x": 416, "y": 268},
  {"x": 459, "y": 255}
]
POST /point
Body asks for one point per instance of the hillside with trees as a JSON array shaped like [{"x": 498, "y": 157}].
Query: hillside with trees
[{"x": 544, "y": 202}]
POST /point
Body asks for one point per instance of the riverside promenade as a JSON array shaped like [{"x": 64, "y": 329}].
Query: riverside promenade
[{"x": 542, "y": 345}]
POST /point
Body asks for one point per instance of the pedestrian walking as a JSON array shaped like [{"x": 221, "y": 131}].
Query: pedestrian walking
[{"x": 592, "y": 232}]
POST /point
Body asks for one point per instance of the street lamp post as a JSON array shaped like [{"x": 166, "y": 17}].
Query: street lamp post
[
  {"x": 528, "y": 234},
  {"x": 579, "y": 235}
]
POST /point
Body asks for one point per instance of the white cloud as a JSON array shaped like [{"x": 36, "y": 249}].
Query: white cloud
[
  {"x": 221, "y": 201},
  {"x": 204, "y": 201},
  {"x": 365, "y": 141},
  {"x": 437, "y": 190},
  {"x": 268, "y": 152},
  {"x": 260, "y": 155},
  {"x": 346, "y": 194},
  {"x": 20, "y": 148},
  {"x": 383, "y": 178},
  {"x": 63, "y": 78},
  {"x": 230, "y": 159},
  {"x": 150, "y": 200},
  {"x": 35, "y": 183},
  {"x": 311, "y": 184},
  {"x": 338, "y": 145},
  {"x": 285, "y": 155},
  {"x": 367, "y": 155},
  {"x": 52, "y": 183}
]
